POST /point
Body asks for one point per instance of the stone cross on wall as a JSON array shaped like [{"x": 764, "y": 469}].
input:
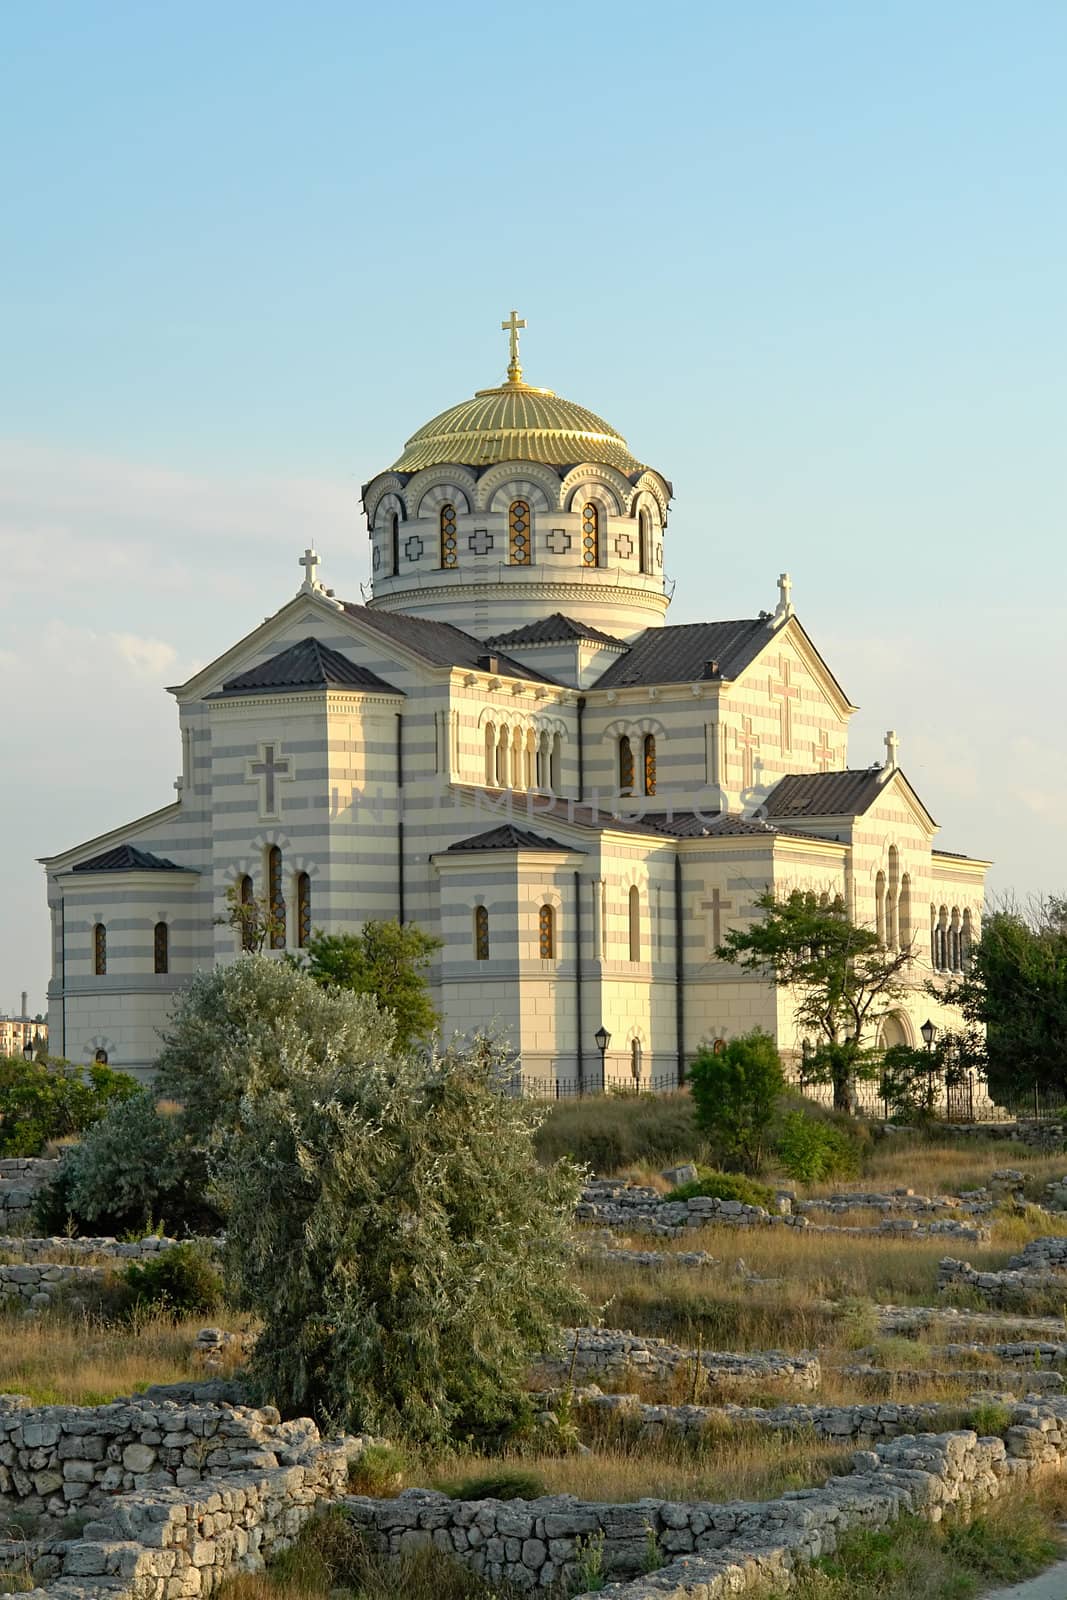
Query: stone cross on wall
[
  {"x": 713, "y": 910},
  {"x": 786, "y": 692},
  {"x": 747, "y": 742},
  {"x": 266, "y": 770},
  {"x": 824, "y": 752},
  {"x": 481, "y": 541},
  {"x": 558, "y": 541}
]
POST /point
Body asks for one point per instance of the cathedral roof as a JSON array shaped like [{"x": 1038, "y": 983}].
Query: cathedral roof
[
  {"x": 826, "y": 794},
  {"x": 310, "y": 664},
  {"x": 127, "y": 858},
  {"x": 684, "y": 654},
  {"x": 506, "y": 837},
  {"x": 556, "y": 629},
  {"x": 439, "y": 643},
  {"x": 517, "y": 422}
]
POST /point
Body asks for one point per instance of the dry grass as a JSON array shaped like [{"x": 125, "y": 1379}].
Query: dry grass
[
  {"x": 62, "y": 1360},
  {"x": 932, "y": 1166}
]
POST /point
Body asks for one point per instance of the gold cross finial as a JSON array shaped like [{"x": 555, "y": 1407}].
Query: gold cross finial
[{"x": 511, "y": 327}]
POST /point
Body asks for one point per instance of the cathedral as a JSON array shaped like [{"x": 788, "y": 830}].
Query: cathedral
[{"x": 507, "y": 743}]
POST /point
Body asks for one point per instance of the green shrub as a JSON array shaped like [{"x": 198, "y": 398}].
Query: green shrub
[
  {"x": 811, "y": 1151},
  {"x": 329, "y": 1556},
  {"x": 736, "y": 1089},
  {"x": 181, "y": 1280},
  {"x": 379, "y": 1471},
  {"x": 609, "y": 1132},
  {"x": 989, "y": 1418},
  {"x": 45, "y": 1100},
  {"x": 500, "y": 1486},
  {"x": 725, "y": 1186},
  {"x": 131, "y": 1167}
]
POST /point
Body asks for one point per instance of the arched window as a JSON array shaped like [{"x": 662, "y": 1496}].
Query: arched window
[
  {"x": 100, "y": 950},
  {"x": 879, "y": 906},
  {"x": 394, "y": 543},
  {"x": 966, "y": 941},
  {"x": 503, "y": 746},
  {"x": 161, "y": 947},
  {"x": 275, "y": 898},
  {"x": 644, "y": 540},
  {"x": 954, "y": 940},
  {"x": 649, "y": 752},
  {"x": 519, "y": 533},
  {"x": 490, "y": 754},
  {"x": 892, "y": 905},
  {"x": 481, "y": 933},
  {"x": 246, "y": 895},
  {"x": 635, "y": 924},
  {"x": 626, "y": 766},
  {"x": 635, "y": 1060},
  {"x": 303, "y": 910},
  {"x": 546, "y": 932},
  {"x": 933, "y": 937},
  {"x": 101, "y": 1058},
  {"x": 555, "y": 765},
  {"x": 449, "y": 542},
  {"x": 942, "y": 940},
  {"x": 906, "y": 930},
  {"x": 590, "y": 536}
]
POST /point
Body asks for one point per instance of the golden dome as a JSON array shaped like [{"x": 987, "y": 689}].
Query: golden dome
[{"x": 516, "y": 423}]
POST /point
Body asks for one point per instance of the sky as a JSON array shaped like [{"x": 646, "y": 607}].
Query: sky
[{"x": 809, "y": 259}]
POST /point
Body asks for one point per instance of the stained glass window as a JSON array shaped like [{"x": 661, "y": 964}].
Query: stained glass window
[
  {"x": 626, "y": 766},
  {"x": 161, "y": 947},
  {"x": 650, "y": 763},
  {"x": 247, "y": 898},
  {"x": 303, "y": 910},
  {"x": 635, "y": 924},
  {"x": 99, "y": 950},
  {"x": 519, "y": 533},
  {"x": 546, "y": 924},
  {"x": 590, "y": 536},
  {"x": 275, "y": 898},
  {"x": 449, "y": 544},
  {"x": 481, "y": 934}
]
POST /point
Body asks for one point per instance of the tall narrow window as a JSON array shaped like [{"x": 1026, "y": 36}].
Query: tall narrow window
[
  {"x": 879, "y": 906},
  {"x": 635, "y": 1060},
  {"x": 519, "y": 533},
  {"x": 626, "y": 766},
  {"x": 590, "y": 536},
  {"x": 247, "y": 896},
  {"x": 954, "y": 940},
  {"x": 635, "y": 924},
  {"x": 933, "y": 937},
  {"x": 490, "y": 754},
  {"x": 546, "y": 931},
  {"x": 966, "y": 941},
  {"x": 481, "y": 933},
  {"x": 555, "y": 765},
  {"x": 100, "y": 950},
  {"x": 905, "y": 911},
  {"x": 644, "y": 540},
  {"x": 449, "y": 546},
  {"x": 303, "y": 910},
  {"x": 650, "y": 763},
  {"x": 276, "y": 898},
  {"x": 161, "y": 947},
  {"x": 394, "y": 544}
]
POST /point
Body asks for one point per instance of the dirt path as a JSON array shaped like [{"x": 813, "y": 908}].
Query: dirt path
[{"x": 1048, "y": 1585}]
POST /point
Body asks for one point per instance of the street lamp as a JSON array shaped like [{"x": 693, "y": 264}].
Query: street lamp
[
  {"x": 929, "y": 1033},
  {"x": 603, "y": 1039},
  {"x": 27, "y": 1049}
]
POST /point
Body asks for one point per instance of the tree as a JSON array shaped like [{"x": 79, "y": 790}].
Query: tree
[
  {"x": 843, "y": 979},
  {"x": 394, "y": 1232},
  {"x": 387, "y": 960},
  {"x": 256, "y": 920},
  {"x": 736, "y": 1090},
  {"x": 42, "y": 1100},
  {"x": 1016, "y": 990}
]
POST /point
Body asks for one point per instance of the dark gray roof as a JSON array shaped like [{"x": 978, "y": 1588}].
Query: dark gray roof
[
  {"x": 506, "y": 837},
  {"x": 682, "y": 654},
  {"x": 127, "y": 858},
  {"x": 307, "y": 665},
  {"x": 825, "y": 794},
  {"x": 556, "y": 629},
  {"x": 439, "y": 643}
]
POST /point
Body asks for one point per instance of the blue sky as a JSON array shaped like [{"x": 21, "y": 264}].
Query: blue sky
[{"x": 809, "y": 259}]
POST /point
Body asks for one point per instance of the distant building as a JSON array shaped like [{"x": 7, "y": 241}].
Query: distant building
[{"x": 14, "y": 1031}]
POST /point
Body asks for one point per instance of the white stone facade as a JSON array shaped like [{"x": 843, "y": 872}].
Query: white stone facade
[{"x": 624, "y": 774}]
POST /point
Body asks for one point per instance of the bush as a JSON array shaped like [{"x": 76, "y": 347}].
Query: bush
[
  {"x": 608, "y": 1132},
  {"x": 500, "y": 1486},
  {"x": 990, "y": 1418},
  {"x": 330, "y": 1556},
  {"x": 725, "y": 1186},
  {"x": 132, "y": 1169},
  {"x": 811, "y": 1151},
  {"x": 181, "y": 1280},
  {"x": 45, "y": 1100},
  {"x": 379, "y": 1471},
  {"x": 736, "y": 1090}
]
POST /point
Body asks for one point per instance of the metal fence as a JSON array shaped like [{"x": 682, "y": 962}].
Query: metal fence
[{"x": 592, "y": 1084}]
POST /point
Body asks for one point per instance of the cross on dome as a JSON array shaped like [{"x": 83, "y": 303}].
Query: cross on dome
[{"x": 511, "y": 328}]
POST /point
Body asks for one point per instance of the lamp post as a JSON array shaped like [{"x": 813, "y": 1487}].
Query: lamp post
[
  {"x": 603, "y": 1039},
  {"x": 929, "y": 1033},
  {"x": 27, "y": 1049}
]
